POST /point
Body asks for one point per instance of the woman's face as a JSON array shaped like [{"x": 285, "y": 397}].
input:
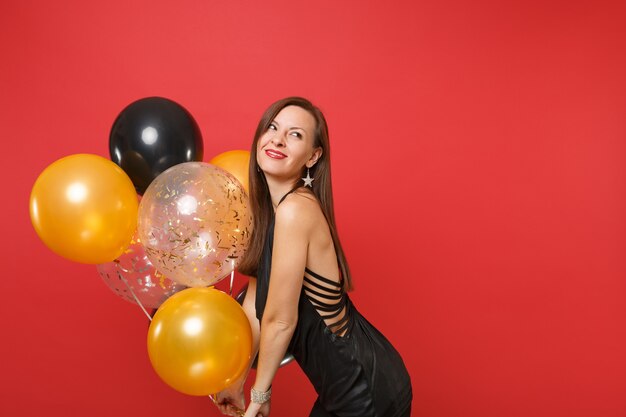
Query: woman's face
[{"x": 287, "y": 145}]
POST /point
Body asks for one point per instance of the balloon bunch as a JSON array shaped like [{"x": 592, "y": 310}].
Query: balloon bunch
[{"x": 156, "y": 220}]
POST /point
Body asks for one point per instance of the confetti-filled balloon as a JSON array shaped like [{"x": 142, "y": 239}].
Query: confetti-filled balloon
[
  {"x": 84, "y": 208},
  {"x": 194, "y": 223},
  {"x": 200, "y": 341},
  {"x": 133, "y": 277}
]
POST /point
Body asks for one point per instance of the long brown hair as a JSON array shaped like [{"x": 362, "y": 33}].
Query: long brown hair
[{"x": 260, "y": 199}]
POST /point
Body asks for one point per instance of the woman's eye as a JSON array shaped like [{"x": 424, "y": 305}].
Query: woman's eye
[
  {"x": 297, "y": 134},
  {"x": 272, "y": 127}
]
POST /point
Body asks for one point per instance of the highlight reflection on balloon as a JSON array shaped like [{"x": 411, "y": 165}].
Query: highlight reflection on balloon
[
  {"x": 152, "y": 134},
  {"x": 133, "y": 275},
  {"x": 200, "y": 341},
  {"x": 84, "y": 208},
  {"x": 194, "y": 223}
]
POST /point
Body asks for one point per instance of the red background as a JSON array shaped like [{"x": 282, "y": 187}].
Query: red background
[{"x": 479, "y": 153}]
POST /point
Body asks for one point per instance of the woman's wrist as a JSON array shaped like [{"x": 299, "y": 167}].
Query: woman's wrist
[{"x": 260, "y": 397}]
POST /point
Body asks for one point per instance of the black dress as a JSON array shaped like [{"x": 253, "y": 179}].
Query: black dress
[{"x": 355, "y": 371}]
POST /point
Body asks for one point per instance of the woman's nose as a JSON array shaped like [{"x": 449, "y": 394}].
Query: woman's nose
[{"x": 278, "y": 139}]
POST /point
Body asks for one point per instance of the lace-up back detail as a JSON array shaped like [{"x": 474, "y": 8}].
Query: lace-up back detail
[
  {"x": 329, "y": 300},
  {"x": 353, "y": 368}
]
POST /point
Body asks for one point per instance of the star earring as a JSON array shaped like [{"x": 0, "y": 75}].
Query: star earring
[{"x": 308, "y": 181}]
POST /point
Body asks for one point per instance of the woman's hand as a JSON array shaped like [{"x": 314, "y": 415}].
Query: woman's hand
[
  {"x": 258, "y": 410},
  {"x": 231, "y": 401}
]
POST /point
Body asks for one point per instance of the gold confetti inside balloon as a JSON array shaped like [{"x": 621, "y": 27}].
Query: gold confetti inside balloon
[
  {"x": 200, "y": 341},
  {"x": 133, "y": 277},
  {"x": 194, "y": 223}
]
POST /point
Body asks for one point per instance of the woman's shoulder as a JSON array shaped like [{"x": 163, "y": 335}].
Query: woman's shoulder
[{"x": 299, "y": 206}]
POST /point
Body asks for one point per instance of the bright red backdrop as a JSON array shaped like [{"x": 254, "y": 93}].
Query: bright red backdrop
[{"x": 479, "y": 152}]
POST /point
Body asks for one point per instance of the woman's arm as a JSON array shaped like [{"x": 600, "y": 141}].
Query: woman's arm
[
  {"x": 292, "y": 230},
  {"x": 231, "y": 399}
]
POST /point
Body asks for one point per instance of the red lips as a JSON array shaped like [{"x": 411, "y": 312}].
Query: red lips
[{"x": 272, "y": 153}]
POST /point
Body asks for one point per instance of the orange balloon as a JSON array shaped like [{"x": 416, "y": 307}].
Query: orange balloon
[
  {"x": 84, "y": 208},
  {"x": 235, "y": 162},
  {"x": 200, "y": 341}
]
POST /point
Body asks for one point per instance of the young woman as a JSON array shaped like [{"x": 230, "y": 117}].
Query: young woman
[{"x": 297, "y": 299}]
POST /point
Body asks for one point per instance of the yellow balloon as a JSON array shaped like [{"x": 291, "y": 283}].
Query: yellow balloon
[
  {"x": 199, "y": 341},
  {"x": 84, "y": 208},
  {"x": 235, "y": 162}
]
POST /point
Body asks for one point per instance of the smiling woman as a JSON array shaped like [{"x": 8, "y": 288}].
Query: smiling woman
[
  {"x": 287, "y": 145},
  {"x": 299, "y": 279}
]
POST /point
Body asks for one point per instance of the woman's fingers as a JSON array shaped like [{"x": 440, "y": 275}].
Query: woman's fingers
[
  {"x": 236, "y": 411},
  {"x": 228, "y": 409}
]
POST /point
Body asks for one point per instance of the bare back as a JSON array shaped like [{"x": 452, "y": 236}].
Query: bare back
[{"x": 322, "y": 281}]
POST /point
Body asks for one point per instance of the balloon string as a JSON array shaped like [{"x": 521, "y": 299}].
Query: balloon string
[
  {"x": 240, "y": 413},
  {"x": 134, "y": 296},
  {"x": 232, "y": 278}
]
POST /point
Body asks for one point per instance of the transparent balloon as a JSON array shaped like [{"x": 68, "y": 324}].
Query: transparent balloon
[
  {"x": 194, "y": 223},
  {"x": 133, "y": 277}
]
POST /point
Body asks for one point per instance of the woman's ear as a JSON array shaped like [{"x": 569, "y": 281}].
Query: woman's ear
[{"x": 317, "y": 154}]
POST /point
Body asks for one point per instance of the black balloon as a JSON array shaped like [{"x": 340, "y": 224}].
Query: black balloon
[{"x": 152, "y": 134}]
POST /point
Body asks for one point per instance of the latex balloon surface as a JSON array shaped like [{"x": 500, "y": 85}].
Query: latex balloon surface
[
  {"x": 133, "y": 277},
  {"x": 152, "y": 134},
  {"x": 84, "y": 208},
  {"x": 235, "y": 162},
  {"x": 194, "y": 223},
  {"x": 199, "y": 341}
]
